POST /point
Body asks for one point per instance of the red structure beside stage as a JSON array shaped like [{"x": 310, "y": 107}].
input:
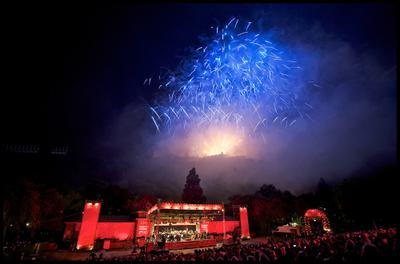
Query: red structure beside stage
[
  {"x": 244, "y": 223},
  {"x": 177, "y": 225},
  {"x": 315, "y": 214},
  {"x": 87, "y": 234}
]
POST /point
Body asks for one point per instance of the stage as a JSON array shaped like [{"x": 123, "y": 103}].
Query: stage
[{"x": 174, "y": 225}]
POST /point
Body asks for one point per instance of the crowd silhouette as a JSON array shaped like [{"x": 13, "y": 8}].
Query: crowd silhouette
[{"x": 374, "y": 246}]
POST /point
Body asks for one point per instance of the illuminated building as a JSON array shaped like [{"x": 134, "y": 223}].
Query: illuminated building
[{"x": 144, "y": 229}]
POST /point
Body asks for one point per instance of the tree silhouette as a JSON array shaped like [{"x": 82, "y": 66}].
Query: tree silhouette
[
  {"x": 269, "y": 191},
  {"x": 21, "y": 205},
  {"x": 52, "y": 206},
  {"x": 193, "y": 193},
  {"x": 141, "y": 202},
  {"x": 324, "y": 194}
]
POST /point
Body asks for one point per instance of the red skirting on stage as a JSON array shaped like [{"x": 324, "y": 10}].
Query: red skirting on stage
[
  {"x": 186, "y": 244},
  {"x": 190, "y": 244}
]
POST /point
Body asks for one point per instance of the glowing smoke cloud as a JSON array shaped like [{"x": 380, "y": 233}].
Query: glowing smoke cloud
[{"x": 237, "y": 84}]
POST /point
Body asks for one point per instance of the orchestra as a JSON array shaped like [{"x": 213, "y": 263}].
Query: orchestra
[{"x": 171, "y": 234}]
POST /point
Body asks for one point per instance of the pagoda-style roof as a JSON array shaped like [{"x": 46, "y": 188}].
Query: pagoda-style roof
[{"x": 172, "y": 206}]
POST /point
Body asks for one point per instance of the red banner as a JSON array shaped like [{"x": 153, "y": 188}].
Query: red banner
[{"x": 142, "y": 227}]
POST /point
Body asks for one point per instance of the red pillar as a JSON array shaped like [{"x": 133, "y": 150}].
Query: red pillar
[
  {"x": 87, "y": 232},
  {"x": 244, "y": 223}
]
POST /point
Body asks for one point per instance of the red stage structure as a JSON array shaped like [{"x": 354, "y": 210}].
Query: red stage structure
[
  {"x": 202, "y": 224},
  {"x": 315, "y": 215}
]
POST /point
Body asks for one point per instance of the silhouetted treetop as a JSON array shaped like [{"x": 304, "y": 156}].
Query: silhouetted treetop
[{"x": 193, "y": 193}]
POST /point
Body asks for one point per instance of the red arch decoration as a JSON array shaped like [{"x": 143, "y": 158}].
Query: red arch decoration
[{"x": 312, "y": 214}]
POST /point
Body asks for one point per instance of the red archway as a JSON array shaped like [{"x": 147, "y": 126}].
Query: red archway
[{"x": 313, "y": 215}]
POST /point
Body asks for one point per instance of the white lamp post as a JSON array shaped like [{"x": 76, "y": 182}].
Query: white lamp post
[{"x": 223, "y": 223}]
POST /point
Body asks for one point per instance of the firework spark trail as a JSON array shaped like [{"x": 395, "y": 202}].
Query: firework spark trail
[
  {"x": 236, "y": 77},
  {"x": 155, "y": 123}
]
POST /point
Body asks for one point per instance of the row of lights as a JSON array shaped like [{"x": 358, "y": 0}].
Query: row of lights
[
  {"x": 26, "y": 224},
  {"x": 179, "y": 223},
  {"x": 190, "y": 206},
  {"x": 179, "y": 206}
]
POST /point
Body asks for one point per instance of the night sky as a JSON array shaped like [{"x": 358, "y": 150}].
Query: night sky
[{"x": 79, "y": 73}]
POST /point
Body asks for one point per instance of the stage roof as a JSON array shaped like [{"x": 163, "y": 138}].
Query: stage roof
[{"x": 171, "y": 206}]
